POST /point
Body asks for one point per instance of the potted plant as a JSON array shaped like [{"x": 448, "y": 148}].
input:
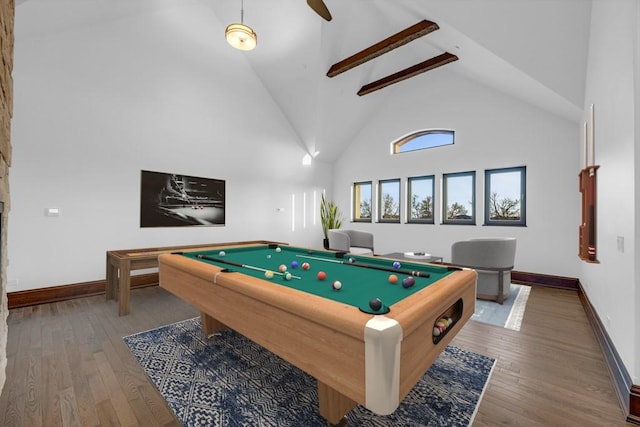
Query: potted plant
[{"x": 330, "y": 217}]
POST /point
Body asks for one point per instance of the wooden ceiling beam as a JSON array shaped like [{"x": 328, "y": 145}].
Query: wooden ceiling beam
[
  {"x": 414, "y": 70},
  {"x": 403, "y": 37}
]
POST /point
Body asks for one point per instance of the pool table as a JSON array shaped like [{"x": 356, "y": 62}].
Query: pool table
[{"x": 358, "y": 352}]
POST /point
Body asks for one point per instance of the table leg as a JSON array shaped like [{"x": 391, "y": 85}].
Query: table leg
[
  {"x": 112, "y": 276},
  {"x": 124, "y": 283},
  {"x": 210, "y": 325},
  {"x": 333, "y": 405}
]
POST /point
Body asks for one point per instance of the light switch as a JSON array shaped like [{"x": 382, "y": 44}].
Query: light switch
[{"x": 52, "y": 212}]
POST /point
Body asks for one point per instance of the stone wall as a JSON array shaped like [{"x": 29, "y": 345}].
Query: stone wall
[{"x": 7, "y": 13}]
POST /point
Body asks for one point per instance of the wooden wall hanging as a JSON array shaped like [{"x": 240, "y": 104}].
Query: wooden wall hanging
[{"x": 588, "y": 185}]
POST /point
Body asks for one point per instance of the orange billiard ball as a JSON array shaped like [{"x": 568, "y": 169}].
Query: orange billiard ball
[{"x": 393, "y": 279}]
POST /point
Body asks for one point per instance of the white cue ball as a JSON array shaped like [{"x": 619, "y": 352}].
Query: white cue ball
[
  {"x": 222, "y": 253},
  {"x": 337, "y": 285},
  {"x": 278, "y": 249}
]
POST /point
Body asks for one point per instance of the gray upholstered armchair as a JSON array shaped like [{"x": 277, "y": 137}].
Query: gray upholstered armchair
[
  {"x": 493, "y": 260},
  {"x": 353, "y": 241}
]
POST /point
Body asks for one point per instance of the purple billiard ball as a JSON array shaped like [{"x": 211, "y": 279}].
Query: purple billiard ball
[
  {"x": 407, "y": 283},
  {"x": 294, "y": 264}
]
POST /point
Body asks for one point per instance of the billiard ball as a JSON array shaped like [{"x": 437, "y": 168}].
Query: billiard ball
[
  {"x": 375, "y": 304},
  {"x": 352, "y": 260},
  {"x": 393, "y": 278},
  {"x": 294, "y": 264},
  {"x": 411, "y": 280},
  {"x": 396, "y": 264},
  {"x": 436, "y": 332},
  {"x": 268, "y": 256},
  {"x": 221, "y": 253},
  {"x": 305, "y": 266},
  {"x": 406, "y": 283},
  {"x": 337, "y": 285},
  {"x": 282, "y": 268},
  {"x": 287, "y": 276},
  {"x": 322, "y": 275},
  {"x": 268, "y": 274},
  {"x": 278, "y": 249}
]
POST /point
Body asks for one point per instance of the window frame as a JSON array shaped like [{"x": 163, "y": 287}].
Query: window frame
[
  {"x": 357, "y": 201},
  {"x": 445, "y": 198},
  {"x": 522, "y": 222},
  {"x": 410, "y": 181},
  {"x": 381, "y": 183},
  {"x": 396, "y": 146}
]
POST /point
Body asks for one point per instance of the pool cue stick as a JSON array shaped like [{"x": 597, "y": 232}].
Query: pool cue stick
[
  {"x": 237, "y": 264},
  {"x": 373, "y": 267}
]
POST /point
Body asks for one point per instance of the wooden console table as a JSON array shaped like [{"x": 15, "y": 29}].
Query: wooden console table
[{"x": 121, "y": 263}]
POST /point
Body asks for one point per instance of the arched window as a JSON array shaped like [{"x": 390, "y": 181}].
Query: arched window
[{"x": 423, "y": 139}]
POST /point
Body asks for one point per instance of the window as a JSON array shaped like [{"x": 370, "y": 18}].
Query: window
[
  {"x": 422, "y": 139},
  {"x": 389, "y": 200},
  {"x": 362, "y": 201},
  {"x": 504, "y": 196},
  {"x": 420, "y": 199},
  {"x": 459, "y": 198}
]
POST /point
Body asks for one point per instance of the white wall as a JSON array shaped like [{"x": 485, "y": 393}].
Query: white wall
[
  {"x": 94, "y": 106},
  {"x": 612, "y": 79},
  {"x": 492, "y": 131}
]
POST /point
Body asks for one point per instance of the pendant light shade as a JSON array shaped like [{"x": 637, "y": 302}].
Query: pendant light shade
[{"x": 241, "y": 36}]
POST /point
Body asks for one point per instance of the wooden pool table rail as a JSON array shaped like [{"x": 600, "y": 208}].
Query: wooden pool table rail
[{"x": 120, "y": 264}]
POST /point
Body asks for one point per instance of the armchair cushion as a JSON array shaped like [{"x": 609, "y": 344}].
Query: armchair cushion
[
  {"x": 352, "y": 241},
  {"x": 493, "y": 260}
]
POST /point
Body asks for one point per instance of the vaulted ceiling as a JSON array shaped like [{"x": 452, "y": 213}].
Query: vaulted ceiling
[{"x": 535, "y": 50}]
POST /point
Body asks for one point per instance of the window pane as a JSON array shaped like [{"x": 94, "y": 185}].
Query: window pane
[
  {"x": 362, "y": 201},
  {"x": 421, "y": 199},
  {"x": 423, "y": 139},
  {"x": 459, "y": 198},
  {"x": 390, "y": 200},
  {"x": 504, "y": 196}
]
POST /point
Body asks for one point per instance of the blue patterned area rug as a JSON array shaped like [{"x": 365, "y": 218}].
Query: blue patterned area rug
[{"x": 231, "y": 381}]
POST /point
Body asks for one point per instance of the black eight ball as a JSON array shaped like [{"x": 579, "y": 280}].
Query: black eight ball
[{"x": 375, "y": 304}]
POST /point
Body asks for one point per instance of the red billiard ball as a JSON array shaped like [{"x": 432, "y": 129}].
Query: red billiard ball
[
  {"x": 282, "y": 268},
  {"x": 305, "y": 266},
  {"x": 322, "y": 275}
]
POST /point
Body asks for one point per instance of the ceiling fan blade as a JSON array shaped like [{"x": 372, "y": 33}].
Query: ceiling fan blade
[{"x": 320, "y": 8}]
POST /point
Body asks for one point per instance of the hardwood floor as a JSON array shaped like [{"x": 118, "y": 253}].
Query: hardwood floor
[{"x": 67, "y": 365}]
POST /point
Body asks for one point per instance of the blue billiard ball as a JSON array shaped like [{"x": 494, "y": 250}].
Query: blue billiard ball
[
  {"x": 294, "y": 264},
  {"x": 396, "y": 264}
]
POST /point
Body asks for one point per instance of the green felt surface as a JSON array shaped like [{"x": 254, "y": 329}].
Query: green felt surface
[{"x": 359, "y": 285}]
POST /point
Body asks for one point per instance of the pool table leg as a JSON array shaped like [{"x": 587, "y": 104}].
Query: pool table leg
[
  {"x": 333, "y": 405},
  {"x": 210, "y": 325}
]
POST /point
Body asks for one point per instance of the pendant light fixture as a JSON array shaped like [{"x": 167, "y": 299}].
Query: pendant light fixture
[{"x": 239, "y": 35}]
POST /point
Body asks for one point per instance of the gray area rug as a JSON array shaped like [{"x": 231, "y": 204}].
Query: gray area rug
[
  {"x": 231, "y": 381},
  {"x": 508, "y": 315}
]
